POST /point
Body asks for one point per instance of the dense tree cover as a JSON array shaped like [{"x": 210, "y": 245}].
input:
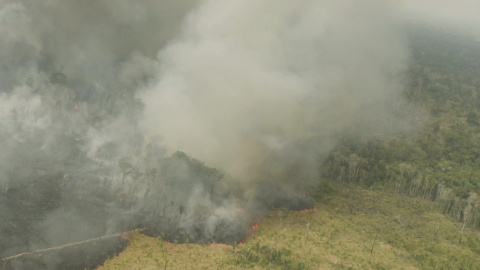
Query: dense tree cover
[{"x": 442, "y": 162}]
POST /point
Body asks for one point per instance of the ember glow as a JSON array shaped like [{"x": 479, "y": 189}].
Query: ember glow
[{"x": 254, "y": 224}]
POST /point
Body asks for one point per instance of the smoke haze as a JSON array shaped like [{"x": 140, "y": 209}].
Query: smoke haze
[
  {"x": 272, "y": 86},
  {"x": 96, "y": 97},
  {"x": 458, "y": 15}
]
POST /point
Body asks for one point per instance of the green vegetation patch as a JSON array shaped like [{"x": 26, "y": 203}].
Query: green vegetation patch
[{"x": 349, "y": 229}]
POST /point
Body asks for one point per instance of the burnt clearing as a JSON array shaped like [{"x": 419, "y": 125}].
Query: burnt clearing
[{"x": 54, "y": 209}]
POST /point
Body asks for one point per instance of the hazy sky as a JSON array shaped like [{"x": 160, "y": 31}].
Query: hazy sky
[{"x": 460, "y": 13}]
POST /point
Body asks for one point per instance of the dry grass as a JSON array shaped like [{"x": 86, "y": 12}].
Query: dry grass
[{"x": 410, "y": 234}]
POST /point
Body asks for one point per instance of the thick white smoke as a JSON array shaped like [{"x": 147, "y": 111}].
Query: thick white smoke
[
  {"x": 95, "y": 95},
  {"x": 261, "y": 88}
]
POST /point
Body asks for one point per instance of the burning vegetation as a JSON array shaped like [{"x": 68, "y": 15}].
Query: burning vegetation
[
  {"x": 178, "y": 118},
  {"x": 157, "y": 199}
]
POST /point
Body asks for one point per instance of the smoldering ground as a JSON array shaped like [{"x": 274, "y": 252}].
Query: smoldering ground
[{"x": 98, "y": 97}]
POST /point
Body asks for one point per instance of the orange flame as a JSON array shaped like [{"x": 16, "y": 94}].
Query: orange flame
[{"x": 253, "y": 227}]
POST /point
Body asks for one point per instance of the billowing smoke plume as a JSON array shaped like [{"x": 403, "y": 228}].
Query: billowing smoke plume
[
  {"x": 260, "y": 89},
  {"x": 97, "y": 97}
]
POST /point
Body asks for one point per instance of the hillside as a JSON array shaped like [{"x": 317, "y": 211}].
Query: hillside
[{"x": 406, "y": 233}]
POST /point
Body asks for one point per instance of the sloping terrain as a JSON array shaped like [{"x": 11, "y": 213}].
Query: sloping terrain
[{"x": 350, "y": 228}]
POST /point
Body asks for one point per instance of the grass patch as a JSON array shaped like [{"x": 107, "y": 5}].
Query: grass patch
[{"x": 349, "y": 229}]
